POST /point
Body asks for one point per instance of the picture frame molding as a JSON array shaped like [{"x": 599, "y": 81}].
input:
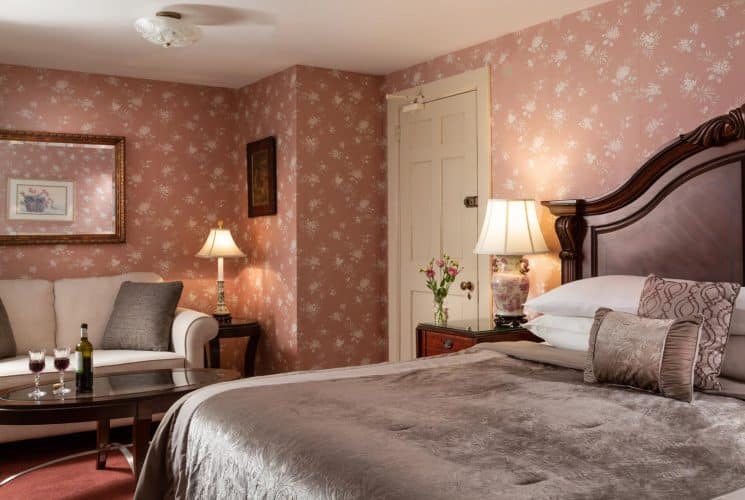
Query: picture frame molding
[{"x": 119, "y": 234}]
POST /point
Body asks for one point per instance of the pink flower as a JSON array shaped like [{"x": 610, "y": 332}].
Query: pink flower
[
  {"x": 430, "y": 273},
  {"x": 440, "y": 263},
  {"x": 452, "y": 272}
]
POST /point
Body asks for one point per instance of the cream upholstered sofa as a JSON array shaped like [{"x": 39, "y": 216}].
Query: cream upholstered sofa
[{"x": 48, "y": 314}]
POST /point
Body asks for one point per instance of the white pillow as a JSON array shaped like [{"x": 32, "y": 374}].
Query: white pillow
[
  {"x": 564, "y": 339},
  {"x": 570, "y": 323},
  {"x": 621, "y": 293},
  {"x": 565, "y": 332},
  {"x": 582, "y": 298}
]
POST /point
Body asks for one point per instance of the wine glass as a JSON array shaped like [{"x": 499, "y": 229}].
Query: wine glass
[
  {"x": 61, "y": 362},
  {"x": 36, "y": 363}
]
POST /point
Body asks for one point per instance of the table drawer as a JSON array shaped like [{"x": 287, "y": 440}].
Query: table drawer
[{"x": 442, "y": 343}]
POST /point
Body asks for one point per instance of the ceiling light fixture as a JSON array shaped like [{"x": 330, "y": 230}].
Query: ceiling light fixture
[{"x": 167, "y": 29}]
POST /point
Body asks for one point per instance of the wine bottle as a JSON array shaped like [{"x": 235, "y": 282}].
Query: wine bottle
[{"x": 84, "y": 370}]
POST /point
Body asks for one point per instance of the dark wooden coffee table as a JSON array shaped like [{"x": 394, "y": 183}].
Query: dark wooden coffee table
[{"x": 138, "y": 395}]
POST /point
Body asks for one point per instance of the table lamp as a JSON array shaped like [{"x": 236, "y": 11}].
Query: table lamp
[
  {"x": 220, "y": 244},
  {"x": 510, "y": 231}
]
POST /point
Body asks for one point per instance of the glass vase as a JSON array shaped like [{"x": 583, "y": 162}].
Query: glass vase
[{"x": 441, "y": 314}]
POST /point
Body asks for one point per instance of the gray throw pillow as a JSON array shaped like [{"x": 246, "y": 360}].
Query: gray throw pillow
[
  {"x": 142, "y": 316},
  {"x": 656, "y": 355},
  {"x": 7, "y": 342}
]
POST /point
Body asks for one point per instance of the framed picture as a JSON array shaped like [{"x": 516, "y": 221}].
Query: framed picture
[
  {"x": 261, "y": 158},
  {"x": 40, "y": 200}
]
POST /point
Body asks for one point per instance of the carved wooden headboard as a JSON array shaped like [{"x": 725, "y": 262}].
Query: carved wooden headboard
[{"x": 680, "y": 215}]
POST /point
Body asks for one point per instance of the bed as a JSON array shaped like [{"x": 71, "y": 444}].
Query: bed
[{"x": 502, "y": 420}]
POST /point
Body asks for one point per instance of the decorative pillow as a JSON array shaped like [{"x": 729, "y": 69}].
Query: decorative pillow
[
  {"x": 656, "y": 355},
  {"x": 715, "y": 302},
  {"x": 7, "y": 341},
  {"x": 565, "y": 332},
  {"x": 142, "y": 316},
  {"x": 733, "y": 363},
  {"x": 582, "y": 298}
]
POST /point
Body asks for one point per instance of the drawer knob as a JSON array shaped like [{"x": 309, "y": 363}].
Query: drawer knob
[{"x": 447, "y": 343}]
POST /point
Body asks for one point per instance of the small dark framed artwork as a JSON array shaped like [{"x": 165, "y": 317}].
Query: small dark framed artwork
[{"x": 261, "y": 158}]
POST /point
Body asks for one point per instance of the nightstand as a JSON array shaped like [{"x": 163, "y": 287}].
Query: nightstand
[
  {"x": 238, "y": 328},
  {"x": 461, "y": 334}
]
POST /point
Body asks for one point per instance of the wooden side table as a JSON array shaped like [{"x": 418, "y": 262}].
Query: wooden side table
[
  {"x": 457, "y": 335},
  {"x": 238, "y": 328}
]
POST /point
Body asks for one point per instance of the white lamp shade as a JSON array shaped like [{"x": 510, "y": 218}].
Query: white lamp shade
[
  {"x": 220, "y": 244},
  {"x": 510, "y": 228}
]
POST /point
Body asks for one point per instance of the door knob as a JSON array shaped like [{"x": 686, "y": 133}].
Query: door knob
[{"x": 467, "y": 285}]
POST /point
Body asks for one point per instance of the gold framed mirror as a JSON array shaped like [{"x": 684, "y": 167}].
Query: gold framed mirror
[{"x": 58, "y": 188}]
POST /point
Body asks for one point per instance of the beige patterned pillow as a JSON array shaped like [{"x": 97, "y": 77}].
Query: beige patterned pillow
[
  {"x": 656, "y": 355},
  {"x": 665, "y": 299}
]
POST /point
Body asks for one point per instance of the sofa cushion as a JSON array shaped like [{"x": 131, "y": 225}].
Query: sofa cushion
[
  {"x": 142, "y": 316},
  {"x": 89, "y": 300},
  {"x": 30, "y": 308},
  {"x": 7, "y": 343},
  {"x": 14, "y": 371},
  {"x": 107, "y": 361}
]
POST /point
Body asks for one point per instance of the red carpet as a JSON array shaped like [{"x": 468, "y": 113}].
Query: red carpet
[{"x": 73, "y": 479}]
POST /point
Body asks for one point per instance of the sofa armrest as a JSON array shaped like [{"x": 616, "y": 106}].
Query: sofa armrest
[{"x": 190, "y": 331}]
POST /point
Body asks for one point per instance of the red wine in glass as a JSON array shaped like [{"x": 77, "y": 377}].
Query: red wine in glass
[
  {"x": 37, "y": 366},
  {"x": 36, "y": 363},
  {"x": 61, "y": 362}
]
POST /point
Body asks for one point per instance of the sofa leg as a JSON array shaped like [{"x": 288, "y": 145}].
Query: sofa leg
[{"x": 103, "y": 429}]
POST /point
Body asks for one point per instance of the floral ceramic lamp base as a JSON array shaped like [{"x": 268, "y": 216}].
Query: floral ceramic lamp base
[{"x": 510, "y": 288}]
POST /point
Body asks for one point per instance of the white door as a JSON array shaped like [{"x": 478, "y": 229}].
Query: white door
[{"x": 438, "y": 171}]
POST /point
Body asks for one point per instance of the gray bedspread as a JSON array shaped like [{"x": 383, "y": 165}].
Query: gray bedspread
[{"x": 477, "y": 424}]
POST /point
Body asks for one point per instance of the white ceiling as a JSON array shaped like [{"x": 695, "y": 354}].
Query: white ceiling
[{"x": 245, "y": 40}]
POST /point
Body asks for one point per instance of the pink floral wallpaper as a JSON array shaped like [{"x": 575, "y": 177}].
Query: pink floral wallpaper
[
  {"x": 89, "y": 168},
  {"x": 181, "y": 164},
  {"x": 267, "y": 285},
  {"x": 341, "y": 205},
  {"x": 579, "y": 102},
  {"x": 316, "y": 275}
]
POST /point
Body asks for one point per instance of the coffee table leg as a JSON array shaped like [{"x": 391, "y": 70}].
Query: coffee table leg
[
  {"x": 141, "y": 435},
  {"x": 102, "y": 441}
]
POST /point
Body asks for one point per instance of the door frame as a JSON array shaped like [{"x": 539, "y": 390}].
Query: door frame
[{"x": 474, "y": 80}]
